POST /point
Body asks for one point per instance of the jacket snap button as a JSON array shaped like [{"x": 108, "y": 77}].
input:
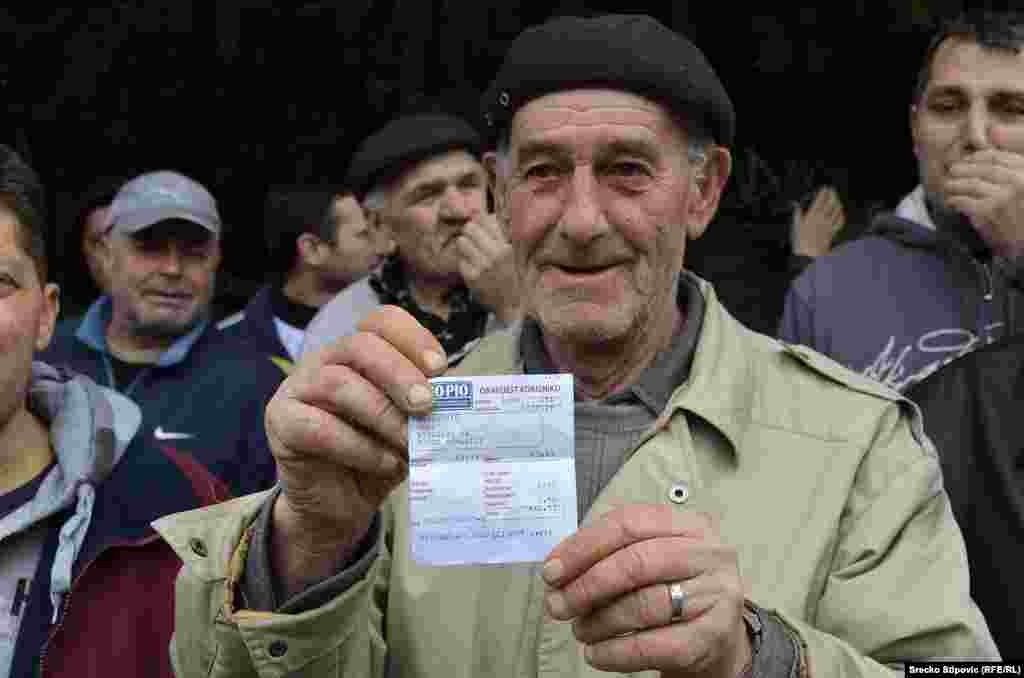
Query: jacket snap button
[
  {"x": 278, "y": 648},
  {"x": 198, "y": 547},
  {"x": 504, "y": 98},
  {"x": 679, "y": 492}
]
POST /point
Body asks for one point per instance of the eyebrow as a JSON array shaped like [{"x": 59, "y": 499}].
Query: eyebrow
[
  {"x": 438, "y": 185},
  {"x": 533, "y": 149},
  {"x": 958, "y": 89}
]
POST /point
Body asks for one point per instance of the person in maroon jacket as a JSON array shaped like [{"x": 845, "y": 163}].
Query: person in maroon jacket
[{"x": 86, "y": 585}]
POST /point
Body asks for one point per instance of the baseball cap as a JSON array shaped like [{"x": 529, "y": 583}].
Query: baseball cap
[{"x": 159, "y": 196}]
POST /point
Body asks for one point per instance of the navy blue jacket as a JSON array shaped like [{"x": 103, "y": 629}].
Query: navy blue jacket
[
  {"x": 206, "y": 396},
  {"x": 255, "y": 326}
]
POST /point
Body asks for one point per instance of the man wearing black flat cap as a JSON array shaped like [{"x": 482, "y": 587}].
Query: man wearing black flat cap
[
  {"x": 750, "y": 508},
  {"x": 421, "y": 183}
]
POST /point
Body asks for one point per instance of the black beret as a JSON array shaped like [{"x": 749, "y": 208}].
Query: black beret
[
  {"x": 385, "y": 154},
  {"x": 633, "y": 53}
]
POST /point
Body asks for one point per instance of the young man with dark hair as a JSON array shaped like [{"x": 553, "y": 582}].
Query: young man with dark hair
[
  {"x": 79, "y": 483},
  {"x": 319, "y": 243},
  {"x": 945, "y": 272}
]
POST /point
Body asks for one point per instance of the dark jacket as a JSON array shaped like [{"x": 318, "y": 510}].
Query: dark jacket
[
  {"x": 900, "y": 302},
  {"x": 206, "y": 396},
  {"x": 117, "y": 616},
  {"x": 255, "y": 326},
  {"x": 974, "y": 413}
]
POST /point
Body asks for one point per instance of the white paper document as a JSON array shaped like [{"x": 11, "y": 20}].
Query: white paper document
[{"x": 492, "y": 475}]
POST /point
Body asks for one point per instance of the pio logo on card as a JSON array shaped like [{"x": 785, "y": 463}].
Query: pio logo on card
[{"x": 453, "y": 395}]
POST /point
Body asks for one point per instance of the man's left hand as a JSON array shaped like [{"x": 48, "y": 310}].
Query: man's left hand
[
  {"x": 488, "y": 267},
  {"x": 613, "y": 580},
  {"x": 988, "y": 187}
]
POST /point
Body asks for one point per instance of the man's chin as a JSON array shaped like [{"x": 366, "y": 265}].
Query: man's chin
[{"x": 585, "y": 325}]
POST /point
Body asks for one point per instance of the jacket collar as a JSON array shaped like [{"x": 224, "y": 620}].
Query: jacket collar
[
  {"x": 722, "y": 387},
  {"x": 913, "y": 208},
  {"x": 259, "y": 320},
  {"x": 93, "y": 333}
]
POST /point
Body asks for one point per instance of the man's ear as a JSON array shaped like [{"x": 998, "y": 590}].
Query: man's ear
[
  {"x": 913, "y": 128},
  {"x": 48, "y": 318},
  {"x": 498, "y": 184},
  {"x": 218, "y": 254},
  {"x": 310, "y": 250},
  {"x": 708, "y": 183},
  {"x": 104, "y": 250}
]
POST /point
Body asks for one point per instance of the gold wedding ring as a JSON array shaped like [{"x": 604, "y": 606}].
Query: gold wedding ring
[{"x": 678, "y": 598}]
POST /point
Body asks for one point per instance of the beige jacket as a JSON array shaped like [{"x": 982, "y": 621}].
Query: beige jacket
[{"x": 821, "y": 478}]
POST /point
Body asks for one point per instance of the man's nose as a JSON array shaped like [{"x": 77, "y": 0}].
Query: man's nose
[
  {"x": 583, "y": 219},
  {"x": 171, "y": 261},
  {"x": 975, "y": 132},
  {"x": 455, "y": 204}
]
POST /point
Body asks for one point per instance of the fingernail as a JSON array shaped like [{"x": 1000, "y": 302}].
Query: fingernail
[
  {"x": 419, "y": 396},
  {"x": 435, "y": 361},
  {"x": 557, "y": 605},
  {"x": 552, "y": 571}
]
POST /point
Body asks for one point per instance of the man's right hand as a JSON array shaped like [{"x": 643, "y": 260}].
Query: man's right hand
[
  {"x": 813, "y": 230},
  {"x": 338, "y": 430}
]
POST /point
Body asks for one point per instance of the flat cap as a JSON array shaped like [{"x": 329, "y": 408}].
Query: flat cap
[
  {"x": 387, "y": 153},
  {"x": 633, "y": 53}
]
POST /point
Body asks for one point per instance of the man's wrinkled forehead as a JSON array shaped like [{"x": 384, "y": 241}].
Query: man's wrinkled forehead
[
  {"x": 576, "y": 112},
  {"x": 446, "y": 166}
]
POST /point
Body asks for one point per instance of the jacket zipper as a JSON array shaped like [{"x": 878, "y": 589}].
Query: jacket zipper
[
  {"x": 66, "y": 603},
  {"x": 986, "y": 275}
]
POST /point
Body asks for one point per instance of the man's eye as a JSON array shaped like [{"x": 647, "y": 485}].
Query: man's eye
[
  {"x": 542, "y": 172},
  {"x": 149, "y": 246},
  {"x": 1013, "y": 108},
  {"x": 944, "y": 106},
  {"x": 629, "y": 169}
]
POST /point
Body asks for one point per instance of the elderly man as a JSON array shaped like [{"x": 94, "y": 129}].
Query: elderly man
[
  {"x": 150, "y": 338},
  {"x": 750, "y": 508},
  {"x": 945, "y": 273},
  {"x": 423, "y": 187}
]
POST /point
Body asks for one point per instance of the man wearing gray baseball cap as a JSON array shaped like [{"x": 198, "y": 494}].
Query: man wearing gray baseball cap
[{"x": 150, "y": 336}]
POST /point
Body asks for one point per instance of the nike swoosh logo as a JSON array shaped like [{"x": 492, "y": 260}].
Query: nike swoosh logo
[{"x": 161, "y": 434}]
